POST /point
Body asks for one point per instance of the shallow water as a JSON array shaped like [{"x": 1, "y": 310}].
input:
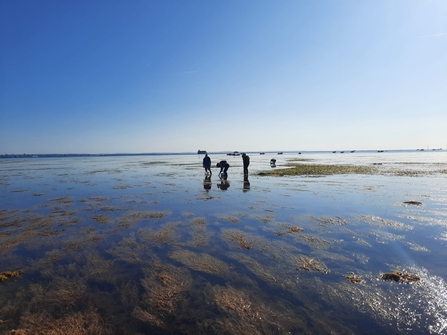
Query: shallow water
[{"x": 147, "y": 245}]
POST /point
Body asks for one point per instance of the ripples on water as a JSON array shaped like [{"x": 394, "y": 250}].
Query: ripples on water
[{"x": 148, "y": 245}]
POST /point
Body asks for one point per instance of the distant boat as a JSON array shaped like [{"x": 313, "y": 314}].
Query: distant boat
[
  {"x": 262, "y": 153},
  {"x": 280, "y": 153},
  {"x": 201, "y": 152},
  {"x": 352, "y": 150},
  {"x": 334, "y": 152},
  {"x": 234, "y": 153}
]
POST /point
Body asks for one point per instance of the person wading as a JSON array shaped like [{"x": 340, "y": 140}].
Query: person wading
[
  {"x": 207, "y": 164},
  {"x": 246, "y": 161}
]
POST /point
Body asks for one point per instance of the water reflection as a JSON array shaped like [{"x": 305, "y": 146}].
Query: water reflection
[
  {"x": 224, "y": 184},
  {"x": 246, "y": 186},
  {"x": 207, "y": 182},
  {"x": 110, "y": 259}
]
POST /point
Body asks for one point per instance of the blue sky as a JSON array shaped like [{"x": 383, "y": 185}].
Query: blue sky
[{"x": 178, "y": 76}]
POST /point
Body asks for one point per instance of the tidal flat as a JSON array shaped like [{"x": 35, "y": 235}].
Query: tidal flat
[{"x": 356, "y": 244}]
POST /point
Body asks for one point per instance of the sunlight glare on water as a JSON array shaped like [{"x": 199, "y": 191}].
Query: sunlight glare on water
[{"x": 151, "y": 243}]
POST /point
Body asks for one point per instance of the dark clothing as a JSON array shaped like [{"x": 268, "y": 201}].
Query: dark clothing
[
  {"x": 223, "y": 166},
  {"x": 207, "y": 162},
  {"x": 246, "y": 161}
]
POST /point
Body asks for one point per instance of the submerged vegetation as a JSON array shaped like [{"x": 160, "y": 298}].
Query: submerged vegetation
[
  {"x": 4, "y": 276},
  {"x": 151, "y": 259},
  {"x": 307, "y": 263},
  {"x": 153, "y": 277}
]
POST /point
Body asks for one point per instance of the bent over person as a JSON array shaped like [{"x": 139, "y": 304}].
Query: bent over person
[
  {"x": 207, "y": 164},
  {"x": 223, "y": 167}
]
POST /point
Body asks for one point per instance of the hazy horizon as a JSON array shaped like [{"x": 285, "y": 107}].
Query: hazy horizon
[{"x": 217, "y": 152}]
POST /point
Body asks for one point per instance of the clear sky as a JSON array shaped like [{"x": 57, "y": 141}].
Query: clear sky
[{"x": 110, "y": 76}]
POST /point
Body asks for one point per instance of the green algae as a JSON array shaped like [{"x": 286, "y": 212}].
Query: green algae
[
  {"x": 295, "y": 167},
  {"x": 319, "y": 170}
]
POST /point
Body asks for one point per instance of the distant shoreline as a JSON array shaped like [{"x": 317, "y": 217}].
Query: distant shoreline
[{"x": 347, "y": 152}]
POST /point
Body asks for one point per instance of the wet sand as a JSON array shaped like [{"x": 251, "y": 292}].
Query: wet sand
[{"x": 148, "y": 245}]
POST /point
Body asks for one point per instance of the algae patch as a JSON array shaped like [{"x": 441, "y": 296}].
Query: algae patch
[
  {"x": 319, "y": 170},
  {"x": 401, "y": 277},
  {"x": 4, "y": 276}
]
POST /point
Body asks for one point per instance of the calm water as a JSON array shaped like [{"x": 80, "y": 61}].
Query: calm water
[{"x": 148, "y": 245}]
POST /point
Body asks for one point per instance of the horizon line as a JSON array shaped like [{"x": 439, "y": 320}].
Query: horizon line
[{"x": 210, "y": 152}]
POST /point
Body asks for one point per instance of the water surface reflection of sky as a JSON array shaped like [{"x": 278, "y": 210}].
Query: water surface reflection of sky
[{"x": 284, "y": 243}]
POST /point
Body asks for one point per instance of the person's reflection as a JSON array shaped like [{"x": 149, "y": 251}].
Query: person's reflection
[
  {"x": 207, "y": 183},
  {"x": 246, "y": 187},
  {"x": 224, "y": 184}
]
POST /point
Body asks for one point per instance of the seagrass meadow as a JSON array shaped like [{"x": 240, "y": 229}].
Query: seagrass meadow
[{"x": 321, "y": 243}]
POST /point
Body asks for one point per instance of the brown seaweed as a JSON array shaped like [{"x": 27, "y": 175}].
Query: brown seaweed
[
  {"x": 307, "y": 263},
  {"x": 414, "y": 203},
  {"x": 353, "y": 278},
  {"x": 201, "y": 262},
  {"x": 4, "y": 276},
  {"x": 401, "y": 277},
  {"x": 165, "y": 287}
]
